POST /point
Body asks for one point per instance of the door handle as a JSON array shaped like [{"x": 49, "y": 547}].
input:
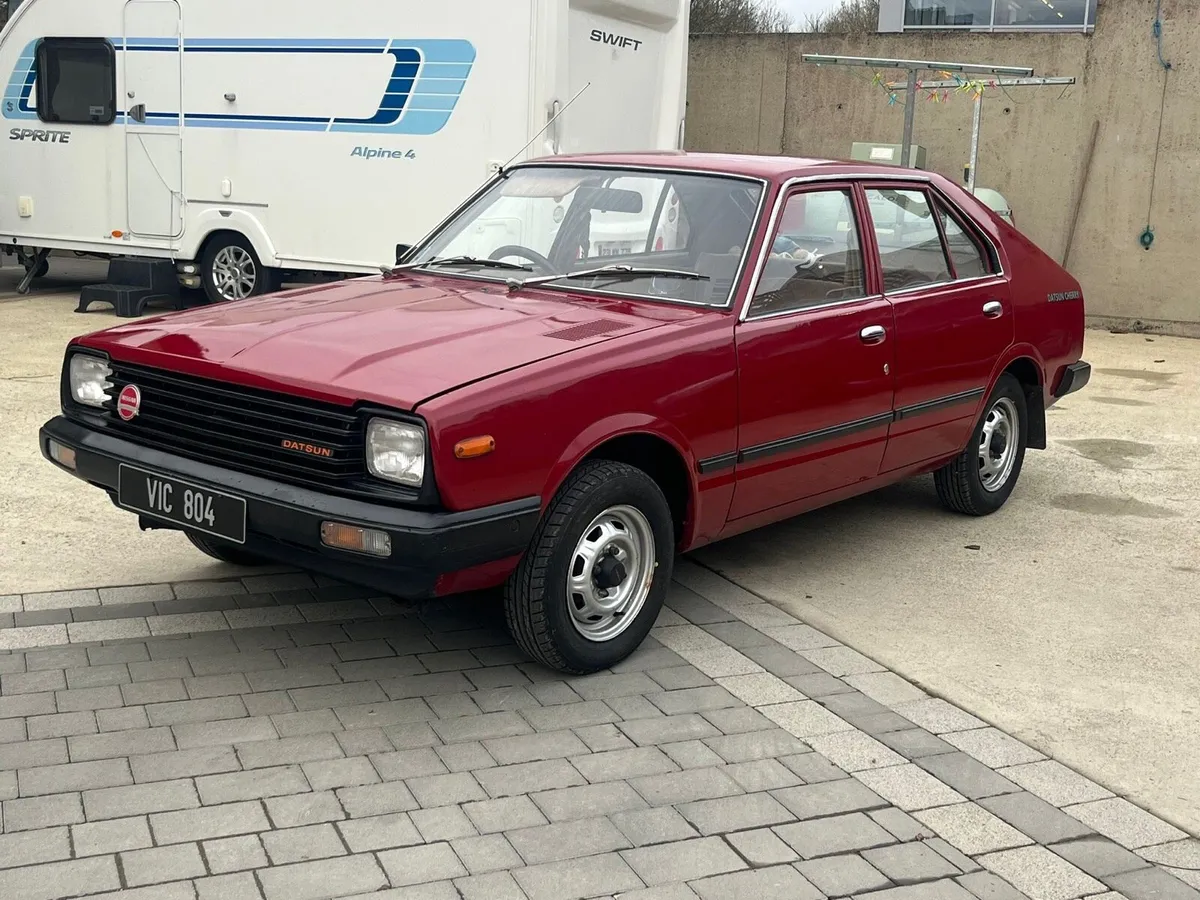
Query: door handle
[
  {"x": 993, "y": 309},
  {"x": 138, "y": 113},
  {"x": 873, "y": 334}
]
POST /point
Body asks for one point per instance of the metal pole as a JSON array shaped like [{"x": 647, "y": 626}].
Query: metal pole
[
  {"x": 975, "y": 141},
  {"x": 910, "y": 109}
]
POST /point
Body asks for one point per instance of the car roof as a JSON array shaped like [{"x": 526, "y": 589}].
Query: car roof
[{"x": 771, "y": 168}]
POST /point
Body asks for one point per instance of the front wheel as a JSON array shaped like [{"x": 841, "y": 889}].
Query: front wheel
[
  {"x": 592, "y": 583},
  {"x": 980, "y": 480},
  {"x": 231, "y": 270}
]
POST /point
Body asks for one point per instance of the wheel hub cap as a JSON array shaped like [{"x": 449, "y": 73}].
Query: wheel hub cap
[
  {"x": 998, "y": 444},
  {"x": 234, "y": 273},
  {"x": 612, "y": 568}
]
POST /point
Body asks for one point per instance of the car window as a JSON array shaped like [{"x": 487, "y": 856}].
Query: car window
[
  {"x": 968, "y": 256},
  {"x": 911, "y": 253},
  {"x": 815, "y": 258}
]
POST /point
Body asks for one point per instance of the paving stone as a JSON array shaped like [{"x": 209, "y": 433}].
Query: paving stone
[
  {"x": 585, "y": 801},
  {"x": 167, "y": 690},
  {"x": 805, "y": 719},
  {"x": 1035, "y": 817},
  {"x": 682, "y": 860},
  {"x": 854, "y": 751},
  {"x": 910, "y": 863},
  {"x": 577, "y": 878},
  {"x": 338, "y": 773},
  {"x": 441, "y": 790},
  {"x": 504, "y": 698},
  {"x": 1152, "y": 884},
  {"x": 52, "y": 751},
  {"x": 652, "y": 826},
  {"x": 377, "y": 799},
  {"x": 819, "y": 684},
  {"x": 693, "y": 607},
  {"x": 738, "y": 720},
  {"x": 533, "y": 747},
  {"x": 1183, "y": 854},
  {"x": 812, "y": 801},
  {"x": 506, "y": 814},
  {"x": 185, "y": 711},
  {"x": 493, "y": 886},
  {"x": 993, "y": 747},
  {"x": 909, "y": 788},
  {"x": 526, "y": 778},
  {"x": 179, "y": 890},
  {"x": 28, "y": 705},
  {"x": 239, "y": 886},
  {"x": 415, "y": 865},
  {"x": 337, "y": 695},
  {"x": 915, "y": 743},
  {"x": 323, "y": 878},
  {"x": 1099, "y": 856},
  {"x": 761, "y": 847},
  {"x": 967, "y": 775},
  {"x": 987, "y": 886},
  {"x": 98, "y": 675},
  {"x": 774, "y": 883},
  {"x": 972, "y": 829},
  {"x": 567, "y": 840},
  {"x": 735, "y": 813},
  {"x": 160, "y": 864},
  {"x": 117, "y": 744},
  {"x": 762, "y": 775},
  {"x": 780, "y": 661},
  {"x": 309, "y": 722},
  {"x": 603, "y": 738},
  {"x": 97, "y": 838},
  {"x": 42, "y": 812},
  {"x": 379, "y": 832},
  {"x": 69, "y": 878},
  {"x": 813, "y": 767},
  {"x": 681, "y": 787},
  {"x": 58, "y": 725},
  {"x": 659, "y": 892},
  {"x": 209, "y": 822},
  {"x": 929, "y": 890},
  {"x": 938, "y": 716},
  {"x": 255, "y": 784},
  {"x": 834, "y": 835},
  {"x": 320, "y": 806},
  {"x": 465, "y": 757},
  {"x": 1040, "y": 874},
  {"x": 223, "y": 733},
  {"x": 1128, "y": 825},
  {"x": 1187, "y": 876},
  {"x": 677, "y": 678},
  {"x": 840, "y": 876},
  {"x": 235, "y": 854},
  {"x": 691, "y": 755},
  {"x": 391, "y": 713},
  {"x": 753, "y": 745},
  {"x": 887, "y": 688},
  {"x": 401, "y": 764},
  {"x": 73, "y": 777},
  {"x": 308, "y": 842},
  {"x": 33, "y": 682},
  {"x": 443, "y": 823},
  {"x": 27, "y": 848},
  {"x": 481, "y": 854},
  {"x": 456, "y": 706},
  {"x": 1055, "y": 783},
  {"x": 801, "y": 637}
]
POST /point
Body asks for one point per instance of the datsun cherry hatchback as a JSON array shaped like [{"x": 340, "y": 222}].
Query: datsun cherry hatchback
[{"x": 595, "y": 363}]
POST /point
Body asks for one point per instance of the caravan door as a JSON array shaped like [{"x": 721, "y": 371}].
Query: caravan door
[{"x": 153, "y": 102}]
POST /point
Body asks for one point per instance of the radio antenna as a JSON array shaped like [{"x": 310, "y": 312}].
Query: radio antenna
[{"x": 542, "y": 130}]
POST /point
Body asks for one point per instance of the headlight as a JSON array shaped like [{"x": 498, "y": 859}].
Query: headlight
[
  {"x": 89, "y": 379},
  {"x": 396, "y": 451}
]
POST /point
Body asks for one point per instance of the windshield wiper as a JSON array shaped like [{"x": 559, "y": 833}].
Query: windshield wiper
[
  {"x": 458, "y": 261},
  {"x": 616, "y": 272}
]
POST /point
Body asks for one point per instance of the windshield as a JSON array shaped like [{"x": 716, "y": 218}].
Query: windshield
[{"x": 644, "y": 233}]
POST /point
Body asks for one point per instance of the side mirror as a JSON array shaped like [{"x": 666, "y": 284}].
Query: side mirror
[{"x": 402, "y": 251}]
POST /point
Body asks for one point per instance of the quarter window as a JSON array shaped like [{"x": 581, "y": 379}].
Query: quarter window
[
  {"x": 76, "y": 81},
  {"x": 911, "y": 253},
  {"x": 815, "y": 256},
  {"x": 968, "y": 256}
]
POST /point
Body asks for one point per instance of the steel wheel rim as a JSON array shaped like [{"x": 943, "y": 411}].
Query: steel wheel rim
[
  {"x": 619, "y": 536},
  {"x": 234, "y": 273},
  {"x": 998, "y": 444}
]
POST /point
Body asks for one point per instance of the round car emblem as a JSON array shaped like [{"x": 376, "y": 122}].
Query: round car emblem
[{"x": 129, "y": 401}]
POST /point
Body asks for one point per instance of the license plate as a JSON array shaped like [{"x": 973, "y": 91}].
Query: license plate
[{"x": 182, "y": 503}]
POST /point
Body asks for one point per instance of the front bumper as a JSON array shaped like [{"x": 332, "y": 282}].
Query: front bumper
[
  {"x": 1074, "y": 378},
  {"x": 283, "y": 522}
]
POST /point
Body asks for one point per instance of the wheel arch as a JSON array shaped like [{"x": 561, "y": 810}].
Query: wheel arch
[
  {"x": 1028, "y": 373},
  {"x": 212, "y": 223}
]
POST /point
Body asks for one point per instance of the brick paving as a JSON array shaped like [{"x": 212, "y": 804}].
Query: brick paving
[{"x": 287, "y": 738}]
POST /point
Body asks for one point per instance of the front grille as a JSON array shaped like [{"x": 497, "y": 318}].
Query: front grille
[{"x": 242, "y": 428}]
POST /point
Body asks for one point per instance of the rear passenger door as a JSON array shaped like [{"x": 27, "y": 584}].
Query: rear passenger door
[
  {"x": 953, "y": 318},
  {"x": 813, "y": 350}
]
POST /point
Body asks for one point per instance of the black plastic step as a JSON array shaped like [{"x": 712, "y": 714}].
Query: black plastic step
[{"x": 128, "y": 300}]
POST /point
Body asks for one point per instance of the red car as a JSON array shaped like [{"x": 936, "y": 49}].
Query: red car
[{"x": 596, "y": 362}]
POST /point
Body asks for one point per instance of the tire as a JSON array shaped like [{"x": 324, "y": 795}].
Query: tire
[
  {"x": 546, "y": 617},
  {"x": 226, "y": 553},
  {"x": 231, "y": 270},
  {"x": 966, "y": 485}
]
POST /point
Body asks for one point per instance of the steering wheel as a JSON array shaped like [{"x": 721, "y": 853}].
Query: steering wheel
[
  {"x": 525, "y": 253},
  {"x": 805, "y": 259}
]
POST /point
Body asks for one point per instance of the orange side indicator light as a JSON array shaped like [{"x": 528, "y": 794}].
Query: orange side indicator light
[
  {"x": 118, "y": 234},
  {"x": 475, "y": 447}
]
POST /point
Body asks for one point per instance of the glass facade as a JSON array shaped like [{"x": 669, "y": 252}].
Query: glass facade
[{"x": 1073, "y": 15}]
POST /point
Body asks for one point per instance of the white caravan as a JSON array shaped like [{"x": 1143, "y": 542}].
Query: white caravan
[{"x": 244, "y": 138}]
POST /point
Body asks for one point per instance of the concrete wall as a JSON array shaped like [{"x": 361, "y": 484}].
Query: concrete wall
[{"x": 753, "y": 94}]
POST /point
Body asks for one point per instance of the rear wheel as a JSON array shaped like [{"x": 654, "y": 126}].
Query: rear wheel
[
  {"x": 226, "y": 553},
  {"x": 980, "y": 480},
  {"x": 593, "y": 581},
  {"x": 231, "y": 270}
]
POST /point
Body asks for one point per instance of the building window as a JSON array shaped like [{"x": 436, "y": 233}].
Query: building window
[
  {"x": 76, "y": 81},
  {"x": 1075, "y": 15}
]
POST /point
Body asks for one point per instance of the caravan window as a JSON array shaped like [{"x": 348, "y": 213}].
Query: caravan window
[{"x": 76, "y": 81}]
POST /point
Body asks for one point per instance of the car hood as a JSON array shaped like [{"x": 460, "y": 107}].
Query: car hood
[{"x": 392, "y": 341}]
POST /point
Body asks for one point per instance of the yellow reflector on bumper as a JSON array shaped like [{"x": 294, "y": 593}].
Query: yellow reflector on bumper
[
  {"x": 340, "y": 536},
  {"x": 64, "y": 456}
]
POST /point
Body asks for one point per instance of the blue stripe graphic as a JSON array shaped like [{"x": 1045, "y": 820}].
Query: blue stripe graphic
[{"x": 428, "y": 77}]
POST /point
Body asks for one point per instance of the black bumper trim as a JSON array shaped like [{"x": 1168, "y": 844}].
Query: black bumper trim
[
  {"x": 1076, "y": 376},
  {"x": 284, "y": 521}
]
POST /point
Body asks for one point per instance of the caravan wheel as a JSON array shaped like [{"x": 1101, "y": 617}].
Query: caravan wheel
[{"x": 232, "y": 271}]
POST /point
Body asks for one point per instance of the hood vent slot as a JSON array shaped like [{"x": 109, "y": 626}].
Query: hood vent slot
[{"x": 585, "y": 330}]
